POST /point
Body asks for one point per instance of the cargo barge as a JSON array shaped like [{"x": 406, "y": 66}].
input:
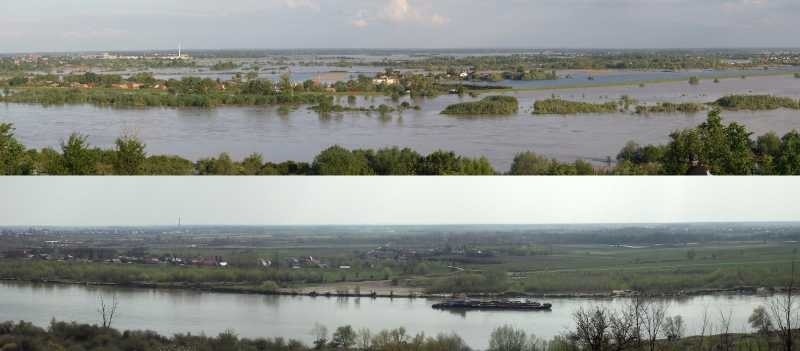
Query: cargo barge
[{"x": 493, "y": 305}]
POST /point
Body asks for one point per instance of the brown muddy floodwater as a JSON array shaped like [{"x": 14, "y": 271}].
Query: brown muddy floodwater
[{"x": 301, "y": 134}]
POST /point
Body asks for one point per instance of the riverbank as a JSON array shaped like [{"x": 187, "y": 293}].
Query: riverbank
[{"x": 385, "y": 291}]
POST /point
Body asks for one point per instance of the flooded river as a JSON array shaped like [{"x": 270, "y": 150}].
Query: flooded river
[{"x": 301, "y": 134}]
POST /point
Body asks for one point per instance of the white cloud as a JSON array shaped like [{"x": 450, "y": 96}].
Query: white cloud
[
  {"x": 360, "y": 23},
  {"x": 303, "y": 4}
]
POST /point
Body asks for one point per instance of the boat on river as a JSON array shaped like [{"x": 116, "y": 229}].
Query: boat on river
[{"x": 467, "y": 304}]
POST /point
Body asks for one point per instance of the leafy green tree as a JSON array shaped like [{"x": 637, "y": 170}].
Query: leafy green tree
[
  {"x": 222, "y": 165},
  {"x": 476, "y": 167},
  {"x": 441, "y": 163},
  {"x": 530, "y": 163},
  {"x": 723, "y": 149},
  {"x": 78, "y": 158},
  {"x": 337, "y": 160},
  {"x": 130, "y": 156},
  {"x": 252, "y": 164},
  {"x": 11, "y": 151},
  {"x": 394, "y": 161},
  {"x": 167, "y": 165},
  {"x": 584, "y": 168},
  {"x": 788, "y": 162}
]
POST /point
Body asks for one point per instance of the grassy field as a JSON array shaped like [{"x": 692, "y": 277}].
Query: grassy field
[{"x": 514, "y": 269}]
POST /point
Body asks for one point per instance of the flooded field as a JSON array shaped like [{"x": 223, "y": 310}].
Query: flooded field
[{"x": 301, "y": 134}]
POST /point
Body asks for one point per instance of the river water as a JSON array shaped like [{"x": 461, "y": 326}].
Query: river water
[
  {"x": 301, "y": 134},
  {"x": 169, "y": 312}
]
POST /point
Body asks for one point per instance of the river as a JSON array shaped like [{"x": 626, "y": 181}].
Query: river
[
  {"x": 301, "y": 134},
  {"x": 174, "y": 311}
]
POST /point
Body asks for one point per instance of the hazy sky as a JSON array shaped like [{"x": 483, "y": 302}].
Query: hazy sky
[
  {"x": 73, "y": 25},
  {"x": 375, "y": 200}
]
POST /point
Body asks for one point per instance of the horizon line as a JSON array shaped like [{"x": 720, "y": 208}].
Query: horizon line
[
  {"x": 797, "y": 222},
  {"x": 77, "y": 51}
]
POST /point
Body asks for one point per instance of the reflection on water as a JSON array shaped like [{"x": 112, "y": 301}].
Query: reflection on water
[
  {"x": 300, "y": 134},
  {"x": 177, "y": 311}
]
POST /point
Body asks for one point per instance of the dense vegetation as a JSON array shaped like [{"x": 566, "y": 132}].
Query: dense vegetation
[
  {"x": 756, "y": 102},
  {"x": 490, "y": 105},
  {"x": 128, "y": 157},
  {"x": 719, "y": 148},
  {"x": 556, "y": 106},
  {"x": 668, "y": 107}
]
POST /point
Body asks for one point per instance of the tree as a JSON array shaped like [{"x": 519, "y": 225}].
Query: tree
[
  {"x": 252, "y": 164},
  {"x": 783, "y": 312},
  {"x": 529, "y": 163},
  {"x": 320, "y": 334},
  {"x": 130, "y": 156},
  {"x": 337, "y": 160},
  {"x": 723, "y": 149},
  {"x": 11, "y": 151},
  {"x": 107, "y": 311},
  {"x": 441, "y": 163},
  {"x": 592, "y": 328},
  {"x": 507, "y": 338},
  {"x": 394, "y": 161},
  {"x": 653, "y": 318},
  {"x": 674, "y": 329},
  {"x": 77, "y": 157},
  {"x": 760, "y": 320},
  {"x": 222, "y": 165},
  {"x": 344, "y": 337},
  {"x": 694, "y": 80},
  {"x": 788, "y": 160},
  {"x": 364, "y": 339}
]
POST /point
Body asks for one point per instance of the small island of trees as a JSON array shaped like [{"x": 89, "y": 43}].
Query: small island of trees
[
  {"x": 756, "y": 102},
  {"x": 490, "y": 105},
  {"x": 555, "y": 106}
]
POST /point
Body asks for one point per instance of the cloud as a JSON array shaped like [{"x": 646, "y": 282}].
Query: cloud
[
  {"x": 360, "y": 23},
  {"x": 401, "y": 11},
  {"x": 303, "y": 4}
]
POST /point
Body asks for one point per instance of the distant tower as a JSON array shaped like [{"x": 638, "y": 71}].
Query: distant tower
[
  {"x": 179, "y": 222},
  {"x": 179, "y": 50}
]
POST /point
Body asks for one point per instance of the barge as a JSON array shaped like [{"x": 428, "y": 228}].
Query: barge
[{"x": 466, "y": 304}]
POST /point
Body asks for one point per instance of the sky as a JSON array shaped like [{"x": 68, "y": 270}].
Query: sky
[
  {"x": 82, "y": 25},
  {"x": 126, "y": 201}
]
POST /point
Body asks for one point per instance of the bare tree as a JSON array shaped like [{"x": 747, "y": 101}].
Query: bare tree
[
  {"x": 784, "y": 312},
  {"x": 726, "y": 341},
  {"x": 705, "y": 327},
  {"x": 364, "y": 339},
  {"x": 674, "y": 328},
  {"x": 107, "y": 311},
  {"x": 624, "y": 330},
  {"x": 592, "y": 328},
  {"x": 653, "y": 321}
]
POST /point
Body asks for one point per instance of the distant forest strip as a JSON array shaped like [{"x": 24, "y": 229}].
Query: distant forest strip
[
  {"x": 713, "y": 146},
  {"x": 144, "y": 90}
]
